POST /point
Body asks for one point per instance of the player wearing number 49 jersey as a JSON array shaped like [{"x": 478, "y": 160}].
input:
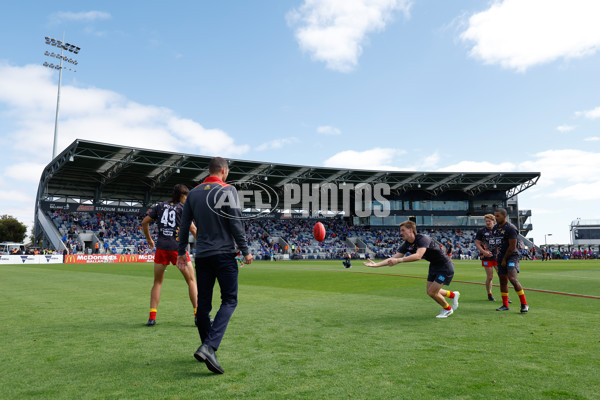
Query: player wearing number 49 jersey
[{"x": 168, "y": 218}]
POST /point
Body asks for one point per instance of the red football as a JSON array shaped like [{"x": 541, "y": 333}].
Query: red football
[{"x": 319, "y": 232}]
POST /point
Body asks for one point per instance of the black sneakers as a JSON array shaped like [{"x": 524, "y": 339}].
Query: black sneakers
[
  {"x": 491, "y": 298},
  {"x": 524, "y": 308},
  {"x": 503, "y": 308},
  {"x": 151, "y": 322}
]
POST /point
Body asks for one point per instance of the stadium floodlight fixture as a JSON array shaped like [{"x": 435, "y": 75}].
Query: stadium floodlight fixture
[
  {"x": 546, "y": 239},
  {"x": 63, "y": 46}
]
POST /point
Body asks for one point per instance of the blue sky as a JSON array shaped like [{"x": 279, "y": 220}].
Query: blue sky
[{"x": 507, "y": 85}]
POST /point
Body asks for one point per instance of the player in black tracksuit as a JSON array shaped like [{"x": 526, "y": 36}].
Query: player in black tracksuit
[
  {"x": 214, "y": 206},
  {"x": 347, "y": 263}
]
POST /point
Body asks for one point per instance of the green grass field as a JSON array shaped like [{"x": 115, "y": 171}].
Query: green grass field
[{"x": 302, "y": 330}]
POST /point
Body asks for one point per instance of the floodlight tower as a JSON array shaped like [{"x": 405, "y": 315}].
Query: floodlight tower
[{"x": 62, "y": 46}]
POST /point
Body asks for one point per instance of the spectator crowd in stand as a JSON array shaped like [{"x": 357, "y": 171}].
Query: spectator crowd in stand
[{"x": 119, "y": 233}]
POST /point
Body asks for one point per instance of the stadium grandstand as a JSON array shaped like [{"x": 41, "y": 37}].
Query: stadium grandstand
[
  {"x": 92, "y": 197},
  {"x": 585, "y": 239}
]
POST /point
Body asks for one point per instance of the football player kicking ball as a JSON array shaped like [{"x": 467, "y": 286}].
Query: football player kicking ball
[{"x": 441, "y": 269}]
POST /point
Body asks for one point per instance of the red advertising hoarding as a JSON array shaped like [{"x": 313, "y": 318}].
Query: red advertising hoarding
[{"x": 108, "y": 258}]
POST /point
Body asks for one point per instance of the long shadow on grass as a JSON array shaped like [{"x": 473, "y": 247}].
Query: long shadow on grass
[
  {"x": 396, "y": 320},
  {"x": 187, "y": 369}
]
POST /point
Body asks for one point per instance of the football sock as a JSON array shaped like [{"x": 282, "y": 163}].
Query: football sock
[
  {"x": 449, "y": 294},
  {"x": 195, "y": 312},
  {"x": 504, "y": 299},
  {"x": 522, "y": 297},
  {"x": 152, "y": 313},
  {"x": 447, "y": 307}
]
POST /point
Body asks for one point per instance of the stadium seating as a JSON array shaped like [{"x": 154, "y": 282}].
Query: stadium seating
[{"x": 123, "y": 233}]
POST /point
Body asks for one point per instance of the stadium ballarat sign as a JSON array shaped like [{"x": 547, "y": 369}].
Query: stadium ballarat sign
[
  {"x": 108, "y": 258},
  {"x": 74, "y": 207}
]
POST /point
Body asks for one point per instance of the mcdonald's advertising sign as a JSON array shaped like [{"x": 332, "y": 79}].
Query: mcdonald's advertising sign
[{"x": 108, "y": 258}]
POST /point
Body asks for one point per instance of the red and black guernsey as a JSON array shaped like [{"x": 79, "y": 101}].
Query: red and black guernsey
[
  {"x": 168, "y": 218},
  {"x": 502, "y": 234},
  {"x": 487, "y": 239}
]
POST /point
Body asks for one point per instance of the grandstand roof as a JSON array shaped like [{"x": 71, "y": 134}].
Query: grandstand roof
[{"x": 89, "y": 172}]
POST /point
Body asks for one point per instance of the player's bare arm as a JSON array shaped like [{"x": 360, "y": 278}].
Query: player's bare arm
[
  {"x": 193, "y": 229},
  {"x": 388, "y": 262},
  {"x": 182, "y": 262},
  {"x": 482, "y": 250},
  {"x": 373, "y": 264},
  {"x": 146, "y": 228},
  {"x": 415, "y": 257}
]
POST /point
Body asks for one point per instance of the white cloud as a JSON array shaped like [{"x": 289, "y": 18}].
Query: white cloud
[
  {"x": 334, "y": 31},
  {"x": 29, "y": 94},
  {"x": 328, "y": 130},
  {"x": 565, "y": 128},
  {"x": 479, "y": 166},
  {"x": 276, "y": 143},
  {"x": 84, "y": 16},
  {"x": 557, "y": 167},
  {"x": 592, "y": 139},
  {"x": 15, "y": 196},
  {"x": 27, "y": 172},
  {"x": 519, "y": 34},
  {"x": 431, "y": 161},
  {"x": 590, "y": 114},
  {"x": 564, "y": 166},
  {"x": 580, "y": 191},
  {"x": 373, "y": 159},
  {"x": 27, "y": 107}
]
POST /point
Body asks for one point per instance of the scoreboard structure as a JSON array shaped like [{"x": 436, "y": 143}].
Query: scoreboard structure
[{"x": 585, "y": 232}]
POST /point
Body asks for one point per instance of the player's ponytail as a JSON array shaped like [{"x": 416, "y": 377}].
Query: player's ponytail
[{"x": 178, "y": 191}]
